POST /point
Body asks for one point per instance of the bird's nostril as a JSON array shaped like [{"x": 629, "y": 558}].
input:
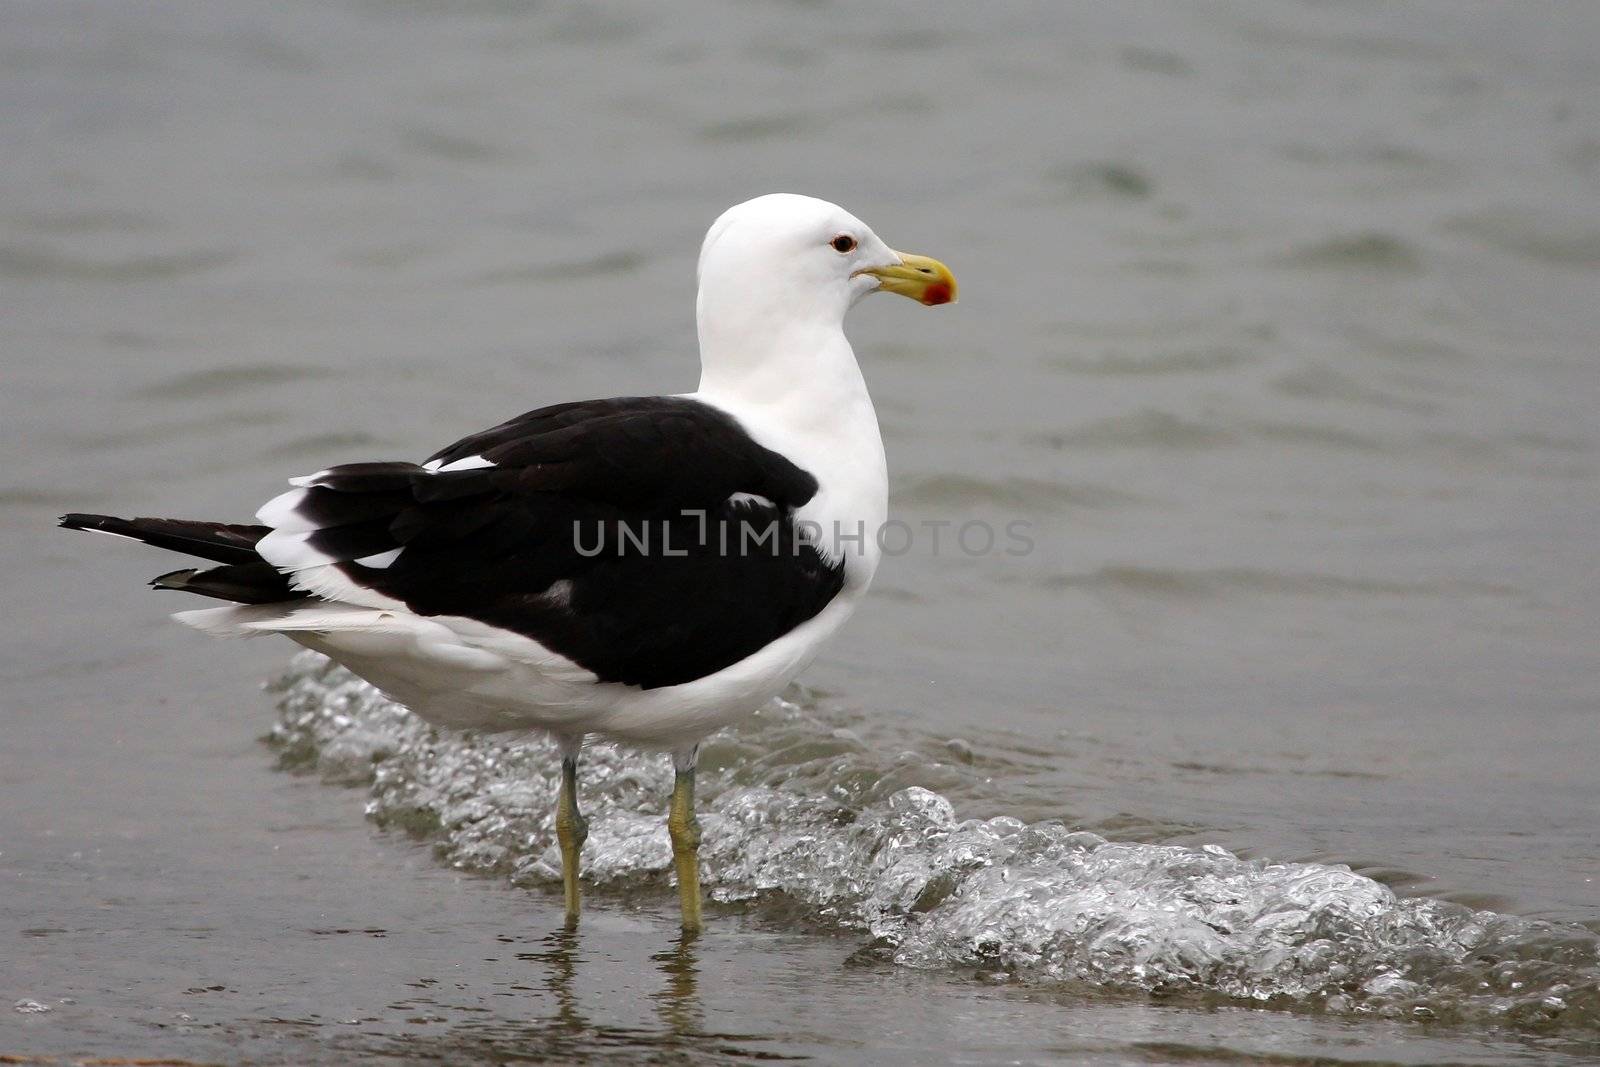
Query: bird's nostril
[{"x": 926, "y": 270}]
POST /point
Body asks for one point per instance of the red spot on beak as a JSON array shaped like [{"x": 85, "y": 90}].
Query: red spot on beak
[{"x": 937, "y": 293}]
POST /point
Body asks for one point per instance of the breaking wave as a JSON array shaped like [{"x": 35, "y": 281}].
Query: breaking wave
[{"x": 795, "y": 816}]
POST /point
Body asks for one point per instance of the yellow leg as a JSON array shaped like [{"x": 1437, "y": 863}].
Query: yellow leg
[
  {"x": 571, "y": 831},
  {"x": 685, "y": 831}
]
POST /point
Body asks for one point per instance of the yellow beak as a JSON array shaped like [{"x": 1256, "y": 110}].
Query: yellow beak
[{"x": 924, "y": 280}]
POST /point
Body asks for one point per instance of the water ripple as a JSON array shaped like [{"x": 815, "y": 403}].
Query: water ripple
[
  {"x": 961, "y": 491},
  {"x": 1194, "y": 360},
  {"x": 1358, "y": 252},
  {"x": 1537, "y": 236},
  {"x": 1172, "y": 582},
  {"x": 42, "y": 263},
  {"x": 605, "y": 265},
  {"x": 1018, "y": 902},
  {"x": 1110, "y": 178},
  {"x": 1142, "y": 429},
  {"x": 225, "y": 381},
  {"x": 450, "y": 146},
  {"x": 761, "y": 128}
]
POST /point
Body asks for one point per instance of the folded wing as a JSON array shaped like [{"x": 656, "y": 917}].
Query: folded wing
[{"x": 651, "y": 540}]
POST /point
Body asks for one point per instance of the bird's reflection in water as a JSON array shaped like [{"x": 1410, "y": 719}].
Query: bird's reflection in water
[
  {"x": 678, "y": 1002},
  {"x": 566, "y": 1026},
  {"x": 560, "y": 955}
]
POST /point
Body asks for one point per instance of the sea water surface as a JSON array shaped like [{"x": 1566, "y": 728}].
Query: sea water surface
[{"x": 1278, "y": 330}]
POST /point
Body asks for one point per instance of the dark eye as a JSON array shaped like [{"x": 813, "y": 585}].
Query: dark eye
[{"x": 843, "y": 243}]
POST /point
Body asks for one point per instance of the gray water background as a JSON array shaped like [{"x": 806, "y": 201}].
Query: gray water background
[{"x": 1277, "y": 322}]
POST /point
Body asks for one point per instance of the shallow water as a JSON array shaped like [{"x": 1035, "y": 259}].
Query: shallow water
[{"x": 1277, "y": 325}]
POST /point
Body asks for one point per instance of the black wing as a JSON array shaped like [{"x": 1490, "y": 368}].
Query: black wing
[{"x": 604, "y": 530}]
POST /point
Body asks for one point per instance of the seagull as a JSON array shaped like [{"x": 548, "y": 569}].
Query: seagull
[{"x": 645, "y": 569}]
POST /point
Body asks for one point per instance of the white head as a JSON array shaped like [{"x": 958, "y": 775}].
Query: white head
[{"x": 778, "y": 273}]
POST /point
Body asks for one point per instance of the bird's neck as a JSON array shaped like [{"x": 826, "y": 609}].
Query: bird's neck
[
  {"x": 758, "y": 337},
  {"x": 767, "y": 364},
  {"x": 795, "y": 373}
]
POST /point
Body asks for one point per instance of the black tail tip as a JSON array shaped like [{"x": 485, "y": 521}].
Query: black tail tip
[{"x": 77, "y": 520}]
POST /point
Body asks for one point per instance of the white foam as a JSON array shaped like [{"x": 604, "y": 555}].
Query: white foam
[{"x": 1037, "y": 902}]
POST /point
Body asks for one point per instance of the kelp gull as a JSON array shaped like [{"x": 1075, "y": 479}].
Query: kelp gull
[{"x": 644, "y": 568}]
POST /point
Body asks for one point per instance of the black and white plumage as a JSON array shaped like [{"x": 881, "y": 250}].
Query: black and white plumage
[{"x": 468, "y": 588}]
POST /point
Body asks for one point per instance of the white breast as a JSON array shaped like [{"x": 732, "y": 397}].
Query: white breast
[{"x": 833, "y": 435}]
